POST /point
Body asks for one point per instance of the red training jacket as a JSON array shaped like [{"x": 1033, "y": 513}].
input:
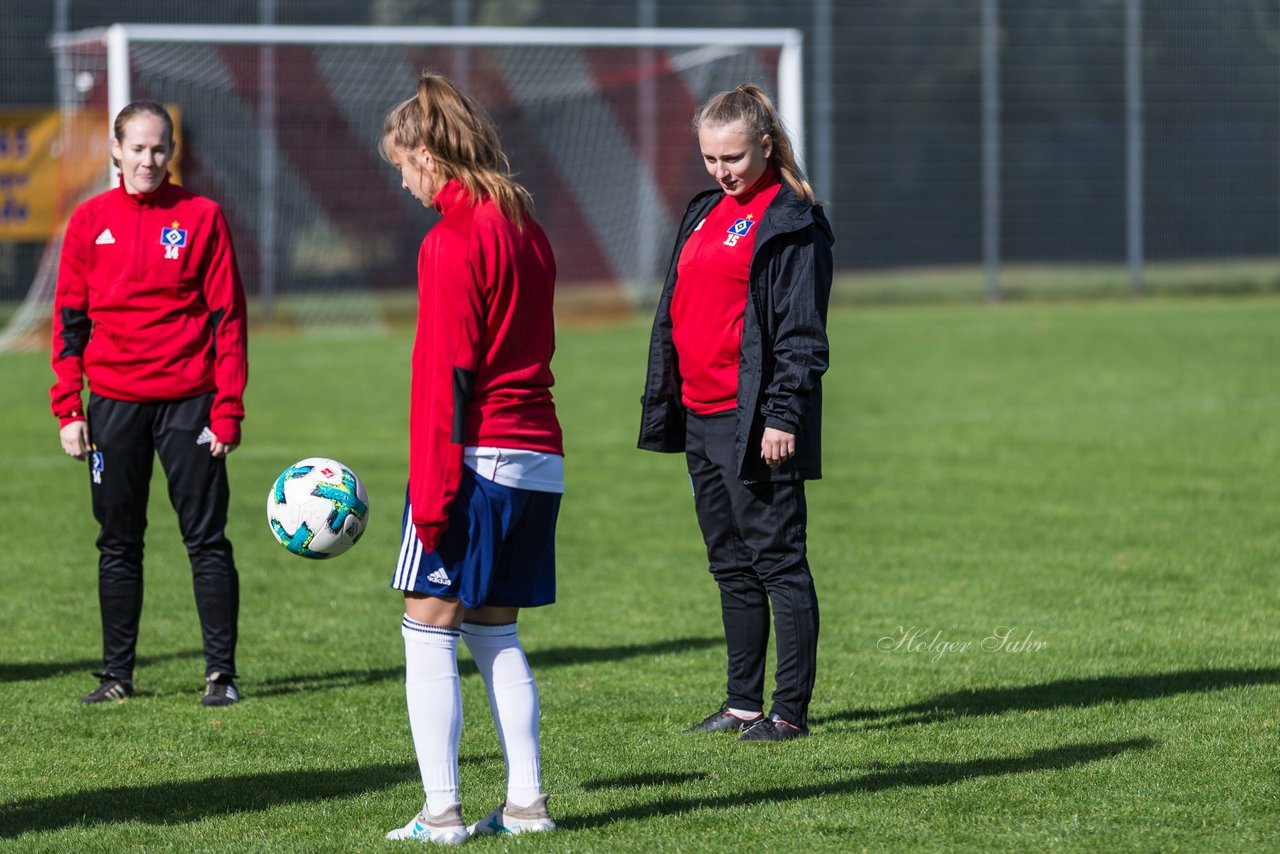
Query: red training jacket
[
  {"x": 149, "y": 306},
  {"x": 482, "y": 356}
]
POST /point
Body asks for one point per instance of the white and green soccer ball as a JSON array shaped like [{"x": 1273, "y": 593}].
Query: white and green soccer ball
[{"x": 317, "y": 508}]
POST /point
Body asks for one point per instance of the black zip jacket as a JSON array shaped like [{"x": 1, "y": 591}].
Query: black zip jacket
[{"x": 784, "y": 341}]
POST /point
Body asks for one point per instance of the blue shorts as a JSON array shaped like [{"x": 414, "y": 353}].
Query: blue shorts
[{"x": 499, "y": 548}]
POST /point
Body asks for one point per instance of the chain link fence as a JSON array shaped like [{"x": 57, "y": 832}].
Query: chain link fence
[{"x": 965, "y": 149}]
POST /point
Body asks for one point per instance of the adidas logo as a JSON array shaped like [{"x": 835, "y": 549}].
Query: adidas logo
[
  {"x": 105, "y": 238},
  {"x": 438, "y": 577},
  {"x": 206, "y": 437}
]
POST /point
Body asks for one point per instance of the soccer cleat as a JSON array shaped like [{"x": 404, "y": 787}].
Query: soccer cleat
[
  {"x": 508, "y": 818},
  {"x": 220, "y": 690},
  {"x": 109, "y": 688},
  {"x": 444, "y": 829},
  {"x": 722, "y": 721},
  {"x": 773, "y": 728}
]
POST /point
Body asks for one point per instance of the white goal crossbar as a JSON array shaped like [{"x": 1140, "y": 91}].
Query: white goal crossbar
[
  {"x": 281, "y": 123},
  {"x": 790, "y": 71}
]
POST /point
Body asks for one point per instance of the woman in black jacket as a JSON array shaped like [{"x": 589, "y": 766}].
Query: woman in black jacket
[{"x": 736, "y": 359}]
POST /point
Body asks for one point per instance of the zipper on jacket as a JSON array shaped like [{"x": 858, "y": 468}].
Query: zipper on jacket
[
  {"x": 754, "y": 293},
  {"x": 137, "y": 245}
]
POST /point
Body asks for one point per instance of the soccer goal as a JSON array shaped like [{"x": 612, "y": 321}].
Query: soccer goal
[{"x": 279, "y": 124}]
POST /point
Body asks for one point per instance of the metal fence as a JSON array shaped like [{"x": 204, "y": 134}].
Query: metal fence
[{"x": 966, "y": 144}]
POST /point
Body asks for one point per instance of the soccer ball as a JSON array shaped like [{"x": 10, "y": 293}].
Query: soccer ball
[{"x": 317, "y": 508}]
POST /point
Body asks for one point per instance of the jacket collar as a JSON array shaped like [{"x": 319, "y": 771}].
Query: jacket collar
[
  {"x": 449, "y": 196},
  {"x": 144, "y": 199},
  {"x": 786, "y": 213},
  {"x": 789, "y": 213},
  {"x": 766, "y": 180}
]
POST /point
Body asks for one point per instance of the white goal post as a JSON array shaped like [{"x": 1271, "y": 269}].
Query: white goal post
[
  {"x": 279, "y": 124},
  {"x": 789, "y": 89}
]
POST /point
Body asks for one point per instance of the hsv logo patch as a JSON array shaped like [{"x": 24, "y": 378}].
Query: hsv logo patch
[
  {"x": 173, "y": 239},
  {"x": 739, "y": 229},
  {"x": 96, "y": 465},
  {"x": 173, "y": 236}
]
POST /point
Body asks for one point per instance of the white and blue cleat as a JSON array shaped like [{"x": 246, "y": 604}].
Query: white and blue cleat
[
  {"x": 444, "y": 829},
  {"x": 507, "y": 818}
]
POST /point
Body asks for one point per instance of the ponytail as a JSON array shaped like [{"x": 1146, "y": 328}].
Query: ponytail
[{"x": 462, "y": 139}]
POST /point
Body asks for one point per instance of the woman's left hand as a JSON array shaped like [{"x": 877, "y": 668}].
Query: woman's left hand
[{"x": 777, "y": 447}]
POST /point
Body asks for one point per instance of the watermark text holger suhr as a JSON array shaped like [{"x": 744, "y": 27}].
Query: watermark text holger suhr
[{"x": 930, "y": 642}]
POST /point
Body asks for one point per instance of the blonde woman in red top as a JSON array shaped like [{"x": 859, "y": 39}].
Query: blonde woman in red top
[
  {"x": 485, "y": 454},
  {"x": 736, "y": 359}
]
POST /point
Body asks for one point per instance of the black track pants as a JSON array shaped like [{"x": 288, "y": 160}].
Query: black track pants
[
  {"x": 755, "y": 535},
  {"x": 127, "y": 437}
]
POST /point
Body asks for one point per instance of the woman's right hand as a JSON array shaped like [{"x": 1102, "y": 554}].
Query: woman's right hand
[{"x": 75, "y": 439}]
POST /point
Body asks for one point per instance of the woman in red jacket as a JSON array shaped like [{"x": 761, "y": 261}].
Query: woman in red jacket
[
  {"x": 485, "y": 454},
  {"x": 150, "y": 310}
]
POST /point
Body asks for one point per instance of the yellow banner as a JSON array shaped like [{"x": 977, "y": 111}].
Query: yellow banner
[
  {"x": 47, "y": 167},
  {"x": 28, "y": 175}
]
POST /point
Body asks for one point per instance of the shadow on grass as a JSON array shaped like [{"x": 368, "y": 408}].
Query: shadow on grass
[
  {"x": 907, "y": 776},
  {"x": 171, "y": 803},
  {"x": 194, "y": 800},
  {"x": 45, "y": 669},
  {"x": 538, "y": 659},
  {"x": 1063, "y": 693}
]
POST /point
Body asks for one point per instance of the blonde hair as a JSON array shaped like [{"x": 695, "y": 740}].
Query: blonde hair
[
  {"x": 751, "y": 106},
  {"x": 461, "y": 138}
]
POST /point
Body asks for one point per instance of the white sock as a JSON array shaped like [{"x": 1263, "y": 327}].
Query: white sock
[
  {"x": 513, "y": 700},
  {"x": 742, "y": 714},
  {"x": 435, "y": 707}
]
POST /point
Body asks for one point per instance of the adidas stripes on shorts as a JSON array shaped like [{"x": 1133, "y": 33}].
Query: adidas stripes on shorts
[{"x": 498, "y": 549}]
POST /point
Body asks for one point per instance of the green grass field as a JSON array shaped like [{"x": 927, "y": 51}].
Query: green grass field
[{"x": 1097, "y": 483}]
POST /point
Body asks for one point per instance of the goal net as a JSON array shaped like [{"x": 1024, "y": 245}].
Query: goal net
[{"x": 280, "y": 126}]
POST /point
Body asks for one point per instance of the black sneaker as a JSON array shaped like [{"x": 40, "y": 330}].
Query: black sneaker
[
  {"x": 220, "y": 690},
  {"x": 722, "y": 721},
  {"x": 773, "y": 728},
  {"x": 109, "y": 688}
]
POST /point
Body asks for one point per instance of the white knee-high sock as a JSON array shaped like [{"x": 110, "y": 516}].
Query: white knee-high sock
[
  {"x": 435, "y": 707},
  {"x": 513, "y": 700}
]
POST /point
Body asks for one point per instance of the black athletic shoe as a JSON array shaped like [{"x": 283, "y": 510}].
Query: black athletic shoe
[
  {"x": 220, "y": 690},
  {"x": 722, "y": 721},
  {"x": 109, "y": 688},
  {"x": 772, "y": 728}
]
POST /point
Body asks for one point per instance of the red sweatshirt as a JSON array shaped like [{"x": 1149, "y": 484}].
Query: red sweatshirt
[
  {"x": 149, "y": 306},
  {"x": 482, "y": 356}
]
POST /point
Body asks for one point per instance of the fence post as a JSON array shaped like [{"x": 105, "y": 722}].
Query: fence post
[
  {"x": 267, "y": 237},
  {"x": 1133, "y": 138},
  {"x": 822, "y": 111},
  {"x": 991, "y": 148},
  {"x": 649, "y": 275}
]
